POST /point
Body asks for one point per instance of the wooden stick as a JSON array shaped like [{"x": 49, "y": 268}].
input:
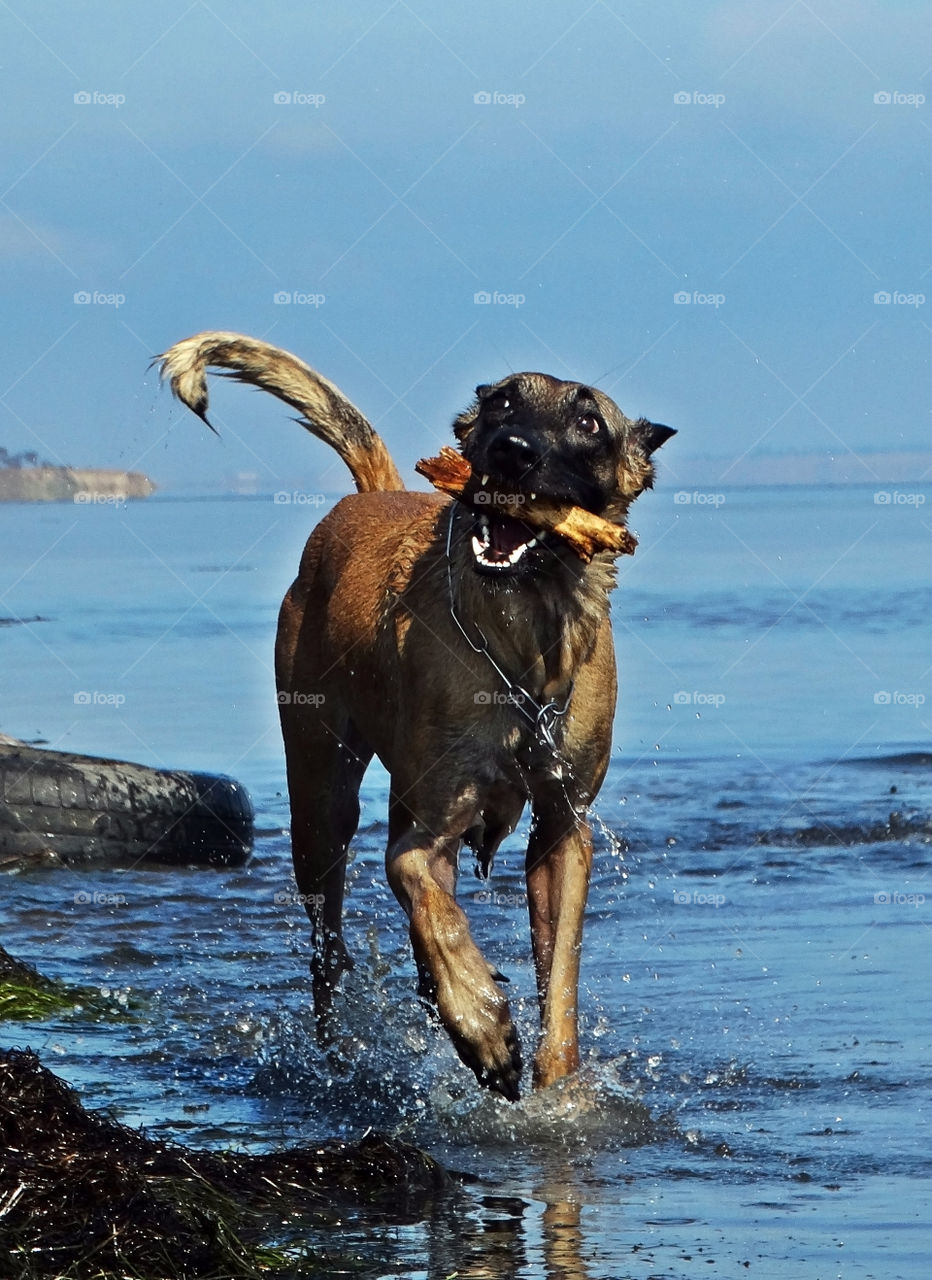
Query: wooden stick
[{"x": 584, "y": 532}]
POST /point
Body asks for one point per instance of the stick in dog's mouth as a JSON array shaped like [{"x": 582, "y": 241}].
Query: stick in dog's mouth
[{"x": 510, "y": 523}]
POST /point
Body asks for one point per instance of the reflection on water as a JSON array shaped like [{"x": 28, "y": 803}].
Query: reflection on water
[{"x": 508, "y": 1237}]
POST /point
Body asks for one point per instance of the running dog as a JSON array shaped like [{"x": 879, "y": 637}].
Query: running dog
[{"x": 473, "y": 655}]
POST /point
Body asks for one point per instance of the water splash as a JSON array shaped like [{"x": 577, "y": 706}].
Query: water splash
[{"x": 394, "y": 1070}]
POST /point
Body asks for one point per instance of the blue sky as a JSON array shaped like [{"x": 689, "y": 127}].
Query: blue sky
[{"x": 183, "y": 165}]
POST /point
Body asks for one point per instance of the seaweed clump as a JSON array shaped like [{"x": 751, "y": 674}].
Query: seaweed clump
[
  {"x": 26, "y": 994},
  {"x": 84, "y": 1196}
]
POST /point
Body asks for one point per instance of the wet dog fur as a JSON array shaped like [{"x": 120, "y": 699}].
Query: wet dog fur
[{"x": 432, "y": 635}]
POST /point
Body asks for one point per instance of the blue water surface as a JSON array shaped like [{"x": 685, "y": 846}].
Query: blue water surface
[{"x": 756, "y": 1005}]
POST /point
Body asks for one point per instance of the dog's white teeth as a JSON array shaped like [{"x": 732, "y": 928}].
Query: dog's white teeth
[
  {"x": 484, "y": 481},
  {"x": 482, "y": 539},
  {"x": 481, "y": 543},
  {"x": 480, "y": 551},
  {"x": 533, "y": 497}
]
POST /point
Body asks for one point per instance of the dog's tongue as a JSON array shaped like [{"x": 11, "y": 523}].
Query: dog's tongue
[{"x": 505, "y": 535}]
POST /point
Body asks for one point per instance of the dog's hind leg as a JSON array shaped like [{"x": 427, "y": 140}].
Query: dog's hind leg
[
  {"x": 421, "y": 868},
  {"x": 325, "y": 769},
  {"x": 559, "y": 860}
]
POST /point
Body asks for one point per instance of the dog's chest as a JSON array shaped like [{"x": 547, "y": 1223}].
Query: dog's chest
[{"x": 520, "y": 754}]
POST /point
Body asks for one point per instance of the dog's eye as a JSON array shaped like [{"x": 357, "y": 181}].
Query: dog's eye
[{"x": 588, "y": 423}]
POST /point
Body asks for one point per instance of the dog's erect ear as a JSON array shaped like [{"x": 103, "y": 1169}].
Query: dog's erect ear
[
  {"x": 652, "y": 434},
  {"x": 464, "y": 424}
]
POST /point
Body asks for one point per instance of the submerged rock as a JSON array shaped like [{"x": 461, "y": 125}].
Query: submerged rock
[{"x": 898, "y": 828}]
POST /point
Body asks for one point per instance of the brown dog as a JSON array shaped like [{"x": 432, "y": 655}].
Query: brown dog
[{"x": 474, "y": 656}]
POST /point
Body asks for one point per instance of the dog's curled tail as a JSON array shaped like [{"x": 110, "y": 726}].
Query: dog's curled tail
[{"x": 324, "y": 409}]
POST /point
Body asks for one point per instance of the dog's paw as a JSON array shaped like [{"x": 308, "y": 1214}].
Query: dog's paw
[
  {"x": 463, "y": 986},
  {"x": 487, "y": 1043},
  {"x": 504, "y": 1077}
]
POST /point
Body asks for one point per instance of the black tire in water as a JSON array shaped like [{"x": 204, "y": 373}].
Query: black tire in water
[{"x": 59, "y": 808}]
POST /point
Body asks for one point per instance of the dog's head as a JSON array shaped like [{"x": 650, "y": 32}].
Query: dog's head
[{"x": 563, "y": 440}]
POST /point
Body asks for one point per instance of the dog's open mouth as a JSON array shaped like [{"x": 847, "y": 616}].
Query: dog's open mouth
[{"x": 500, "y": 543}]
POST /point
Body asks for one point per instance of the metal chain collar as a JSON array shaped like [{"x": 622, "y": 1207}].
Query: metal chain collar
[{"x": 542, "y": 718}]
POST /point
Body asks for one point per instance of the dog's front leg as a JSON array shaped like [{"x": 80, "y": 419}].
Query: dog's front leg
[
  {"x": 421, "y": 870},
  {"x": 559, "y": 859}
]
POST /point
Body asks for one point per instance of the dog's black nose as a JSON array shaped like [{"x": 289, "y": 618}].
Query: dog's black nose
[{"x": 513, "y": 451}]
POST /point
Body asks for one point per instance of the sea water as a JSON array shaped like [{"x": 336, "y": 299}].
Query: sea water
[{"x": 755, "y": 1002}]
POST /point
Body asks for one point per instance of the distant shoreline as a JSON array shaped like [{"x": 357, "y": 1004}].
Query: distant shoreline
[
  {"x": 98, "y": 485},
  {"x": 299, "y": 494},
  {"x": 72, "y": 484},
  {"x": 893, "y": 467}
]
